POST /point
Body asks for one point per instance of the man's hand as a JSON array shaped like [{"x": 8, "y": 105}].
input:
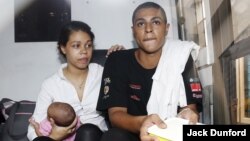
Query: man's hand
[
  {"x": 148, "y": 122},
  {"x": 189, "y": 114},
  {"x": 59, "y": 133}
]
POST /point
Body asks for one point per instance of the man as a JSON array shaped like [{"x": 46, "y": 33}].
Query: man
[{"x": 144, "y": 86}]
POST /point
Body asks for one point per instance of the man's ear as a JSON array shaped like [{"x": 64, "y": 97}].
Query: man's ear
[
  {"x": 167, "y": 28},
  {"x": 132, "y": 28}
]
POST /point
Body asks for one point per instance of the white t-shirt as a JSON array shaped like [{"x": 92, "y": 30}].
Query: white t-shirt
[{"x": 58, "y": 88}]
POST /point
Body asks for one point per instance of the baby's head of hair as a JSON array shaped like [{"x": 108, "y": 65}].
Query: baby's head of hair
[{"x": 62, "y": 113}]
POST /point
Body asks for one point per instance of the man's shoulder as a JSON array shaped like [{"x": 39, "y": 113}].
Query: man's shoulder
[
  {"x": 179, "y": 43},
  {"x": 121, "y": 55}
]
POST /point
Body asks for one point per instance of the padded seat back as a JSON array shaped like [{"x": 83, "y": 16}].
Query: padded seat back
[
  {"x": 99, "y": 56},
  {"x": 16, "y": 126}
]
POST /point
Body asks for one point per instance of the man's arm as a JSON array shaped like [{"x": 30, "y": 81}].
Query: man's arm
[
  {"x": 193, "y": 107},
  {"x": 120, "y": 118},
  {"x": 193, "y": 94}
]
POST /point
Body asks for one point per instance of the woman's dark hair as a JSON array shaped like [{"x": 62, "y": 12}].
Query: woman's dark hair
[
  {"x": 70, "y": 27},
  {"x": 149, "y": 5}
]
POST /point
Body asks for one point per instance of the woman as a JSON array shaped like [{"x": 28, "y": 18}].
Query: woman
[{"x": 77, "y": 82}]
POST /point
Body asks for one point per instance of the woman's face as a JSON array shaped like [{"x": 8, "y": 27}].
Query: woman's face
[{"x": 78, "y": 50}]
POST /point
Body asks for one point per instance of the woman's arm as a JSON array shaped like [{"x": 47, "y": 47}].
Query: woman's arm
[
  {"x": 40, "y": 112},
  {"x": 114, "y": 48},
  {"x": 59, "y": 133}
]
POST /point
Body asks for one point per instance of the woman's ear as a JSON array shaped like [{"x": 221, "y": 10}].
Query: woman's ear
[{"x": 63, "y": 49}]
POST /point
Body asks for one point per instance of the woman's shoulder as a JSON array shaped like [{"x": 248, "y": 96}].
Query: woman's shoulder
[
  {"x": 51, "y": 80},
  {"x": 55, "y": 77}
]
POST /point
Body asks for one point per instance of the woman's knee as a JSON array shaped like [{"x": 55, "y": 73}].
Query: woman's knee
[
  {"x": 120, "y": 135},
  {"x": 89, "y": 128},
  {"x": 88, "y": 132}
]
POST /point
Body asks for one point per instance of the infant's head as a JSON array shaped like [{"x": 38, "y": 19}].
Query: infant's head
[{"x": 62, "y": 113}]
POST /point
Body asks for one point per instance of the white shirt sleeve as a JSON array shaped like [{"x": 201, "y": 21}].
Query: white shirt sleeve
[{"x": 40, "y": 113}]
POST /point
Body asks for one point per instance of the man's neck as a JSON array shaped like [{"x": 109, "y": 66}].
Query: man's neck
[{"x": 147, "y": 60}]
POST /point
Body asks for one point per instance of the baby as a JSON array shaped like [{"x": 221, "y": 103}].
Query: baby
[{"x": 63, "y": 114}]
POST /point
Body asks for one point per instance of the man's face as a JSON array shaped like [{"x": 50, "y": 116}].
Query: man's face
[{"x": 150, "y": 29}]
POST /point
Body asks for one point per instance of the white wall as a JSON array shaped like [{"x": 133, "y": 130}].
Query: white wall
[{"x": 23, "y": 66}]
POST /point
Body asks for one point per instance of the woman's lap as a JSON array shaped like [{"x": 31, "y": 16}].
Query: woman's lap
[{"x": 86, "y": 132}]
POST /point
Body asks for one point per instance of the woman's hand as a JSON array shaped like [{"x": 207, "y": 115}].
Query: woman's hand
[
  {"x": 148, "y": 122},
  {"x": 36, "y": 126},
  {"x": 59, "y": 133},
  {"x": 114, "y": 48}
]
